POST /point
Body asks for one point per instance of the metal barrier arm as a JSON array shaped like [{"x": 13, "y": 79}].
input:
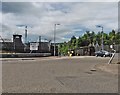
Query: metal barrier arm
[{"x": 113, "y": 55}]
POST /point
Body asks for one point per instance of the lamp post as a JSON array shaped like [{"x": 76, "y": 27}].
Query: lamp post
[
  {"x": 25, "y": 34},
  {"x": 54, "y": 38},
  {"x": 102, "y": 35},
  {"x": 14, "y": 45}
]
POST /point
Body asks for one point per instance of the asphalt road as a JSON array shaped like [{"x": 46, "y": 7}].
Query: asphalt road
[{"x": 57, "y": 75}]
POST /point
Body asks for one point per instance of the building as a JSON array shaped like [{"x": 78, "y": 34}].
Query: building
[
  {"x": 39, "y": 47},
  {"x": 6, "y": 45},
  {"x": 18, "y": 46},
  {"x": 17, "y": 43},
  {"x": 86, "y": 50}
]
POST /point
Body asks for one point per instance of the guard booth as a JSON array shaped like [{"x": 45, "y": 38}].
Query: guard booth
[{"x": 17, "y": 43}]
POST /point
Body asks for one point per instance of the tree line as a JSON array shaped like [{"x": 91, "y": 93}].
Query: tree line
[{"x": 90, "y": 38}]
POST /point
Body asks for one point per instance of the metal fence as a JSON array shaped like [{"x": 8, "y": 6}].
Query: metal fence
[{"x": 107, "y": 48}]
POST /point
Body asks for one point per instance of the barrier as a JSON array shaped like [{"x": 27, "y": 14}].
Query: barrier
[
  {"x": 113, "y": 55},
  {"x": 21, "y": 55}
]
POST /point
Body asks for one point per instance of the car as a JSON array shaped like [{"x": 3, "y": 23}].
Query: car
[{"x": 103, "y": 53}]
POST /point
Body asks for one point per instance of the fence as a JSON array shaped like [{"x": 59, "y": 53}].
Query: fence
[{"x": 107, "y": 48}]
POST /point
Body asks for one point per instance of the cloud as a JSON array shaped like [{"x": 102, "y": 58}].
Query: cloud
[
  {"x": 74, "y": 18},
  {"x": 60, "y": 0}
]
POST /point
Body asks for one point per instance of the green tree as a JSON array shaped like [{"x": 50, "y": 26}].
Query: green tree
[
  {"x": 90, "y": 37},
  {"x": 73, "y": 42},
  {"x": 117, "y": 38},
  {"x": 112, "y": 37},
  {"x": 79, "y": 41}
]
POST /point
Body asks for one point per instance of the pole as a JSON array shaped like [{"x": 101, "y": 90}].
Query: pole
[
  {"x": 25, "y": 34},
  {"x": 40, "y": 43},
  {"x": 102, "y": 43},
  {"x": 25, "y": 48},
  {"x": 14, "y": 39},
  {"x": 14, "y": 45},
  {"x": 54, "y": 39},
  {"x": 102, "y": 39}
]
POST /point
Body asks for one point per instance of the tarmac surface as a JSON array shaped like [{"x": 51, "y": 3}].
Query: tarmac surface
[{"x": 84, "y": 74}]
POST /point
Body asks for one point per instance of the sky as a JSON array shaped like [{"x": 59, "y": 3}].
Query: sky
[{"x": 75, "y": 18}]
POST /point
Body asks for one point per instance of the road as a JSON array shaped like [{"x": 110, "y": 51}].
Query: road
[{"x": 57, "y": 75}]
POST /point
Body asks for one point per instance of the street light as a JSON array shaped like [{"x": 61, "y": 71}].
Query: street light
[
  {"x": 54, "y": 37},
  {"x": 102, "y": 35}
]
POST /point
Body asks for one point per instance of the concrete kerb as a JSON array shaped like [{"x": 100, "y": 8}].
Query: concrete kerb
[{"x": 22, "y": 55}]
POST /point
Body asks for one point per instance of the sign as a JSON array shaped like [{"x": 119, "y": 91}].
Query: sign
[
  {"x": 34, "y": 46},
  {"x": 111, "y": 46}
]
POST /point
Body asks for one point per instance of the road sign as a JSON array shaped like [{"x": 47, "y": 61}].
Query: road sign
[
  {"x": 111, "y": 46},
  {"x": 34, "y": 46}
]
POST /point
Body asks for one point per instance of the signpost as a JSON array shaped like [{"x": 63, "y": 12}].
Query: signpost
[
  {"x": 111, "y": 46},
  {"x": 34, "y": 46}
]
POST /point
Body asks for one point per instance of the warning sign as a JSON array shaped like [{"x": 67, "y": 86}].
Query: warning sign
[{"x": 34, "y": 46}]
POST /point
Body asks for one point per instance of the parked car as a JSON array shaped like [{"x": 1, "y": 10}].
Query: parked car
[{"x": 103, "y": 53}]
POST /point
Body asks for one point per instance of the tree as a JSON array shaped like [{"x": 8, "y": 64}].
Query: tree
[
  {"x": 112, "y": 36},
  {"x": 73, "y": 42},
  {"x": 79, "y": 41},
  {"x": 90, "y": 37},
  {"x": 117, "y": 38}
]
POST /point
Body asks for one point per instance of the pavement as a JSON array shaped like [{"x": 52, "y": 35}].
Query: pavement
[
  {"x": 112, "y": 68},
  {"x": 57, "y": 75}
]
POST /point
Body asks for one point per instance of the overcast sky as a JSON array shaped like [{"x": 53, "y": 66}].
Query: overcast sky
[{"x": 74, "y": 18}]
